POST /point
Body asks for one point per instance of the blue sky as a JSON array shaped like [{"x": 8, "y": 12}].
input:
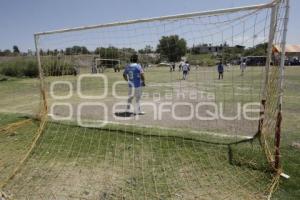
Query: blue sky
[{"x": 19, "y": 19}]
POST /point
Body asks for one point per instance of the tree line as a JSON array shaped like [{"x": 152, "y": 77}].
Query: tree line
[
  {"x": 169, "y": 48},
  {"x": 8, "y": 52}
]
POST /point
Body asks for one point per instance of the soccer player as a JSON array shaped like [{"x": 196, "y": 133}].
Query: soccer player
[
  {"x": 180, "y": 65},
  {"x": 173, "y": 66},
  {"x": 243, "y": 67},
  {"x": 134, "y": 74},
  {"x": 116, "y": 68},
  {"x": 185, "y": 69},
  {"x": 220, "y": 70},
  {"x": 94, "y": 67}
]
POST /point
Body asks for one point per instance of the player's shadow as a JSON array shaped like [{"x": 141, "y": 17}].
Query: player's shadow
[{"x": 124, "y": 114}]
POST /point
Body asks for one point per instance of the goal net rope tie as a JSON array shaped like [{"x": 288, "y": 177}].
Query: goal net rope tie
[{"x": 14, "y": 126}]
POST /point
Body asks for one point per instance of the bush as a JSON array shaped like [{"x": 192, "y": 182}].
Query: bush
[
  {"x": 24, "y": 67},
  {"x": 31, "y": 69},
  {"x": 3, "y": 78},
  {"x": 56, "y": 67},
  {"x": 10, "y": 70},
  {"x": 19, "y": 68}
]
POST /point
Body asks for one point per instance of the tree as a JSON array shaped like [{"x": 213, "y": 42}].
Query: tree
[
  {"x": 6, "y": 52},
  {"x": 16, "y": 49},
  {"x": 232, "y": 53},
  {"x": 108, "y": 53},
  {"x": 128, "y": 51},
  {"x": 146, "y": 50},
  {"x": 84, "y": 50},
  {"x": 75, "y": 50},
  {"x": 172, "y": 47},
  {"x": 258, "y": 50},
  {"x": 41, "y": 52},
  {"x": 49, "y": 52},
  {"x": 68, "y": 51},
  {"x": 55, "y": 52}
]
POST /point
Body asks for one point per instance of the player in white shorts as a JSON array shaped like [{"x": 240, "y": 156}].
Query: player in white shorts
[{"x": 134, "y": 74}]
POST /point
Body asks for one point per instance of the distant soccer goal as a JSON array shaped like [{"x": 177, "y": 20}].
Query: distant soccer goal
[
  {"x": 227, "y": 109},
  {"x": 102, "y": 63}
]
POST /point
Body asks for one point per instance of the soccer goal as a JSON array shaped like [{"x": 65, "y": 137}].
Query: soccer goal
[
  {"x": 225, "y": 111},
  {"x": 210, "y": 38},
  {"x": 103, "y": 63}
]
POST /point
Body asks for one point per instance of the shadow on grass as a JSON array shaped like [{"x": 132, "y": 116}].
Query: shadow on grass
[{"x": 124, "y": 114}]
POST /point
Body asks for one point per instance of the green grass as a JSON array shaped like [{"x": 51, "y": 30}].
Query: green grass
[
  {"x": 133, "y": 162},
  {"x": 145, "y": 165},
  {"x": 147, "y": 162}
]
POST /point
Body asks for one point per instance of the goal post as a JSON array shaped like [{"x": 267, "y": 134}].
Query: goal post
[{"x": 281, "y": 88}]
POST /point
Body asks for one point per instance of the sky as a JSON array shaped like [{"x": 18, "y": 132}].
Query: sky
[{"x": 20, "y": 19}]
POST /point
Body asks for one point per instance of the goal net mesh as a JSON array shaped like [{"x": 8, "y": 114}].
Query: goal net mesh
[{"x": 209, "y": 136}]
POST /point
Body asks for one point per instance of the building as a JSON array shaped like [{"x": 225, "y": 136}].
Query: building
[
  {"x": 205, "y": 48},
  {"x": 292, "y": 53}
]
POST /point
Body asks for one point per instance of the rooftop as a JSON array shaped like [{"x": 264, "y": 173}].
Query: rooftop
[{"x": 289, "y": 48}]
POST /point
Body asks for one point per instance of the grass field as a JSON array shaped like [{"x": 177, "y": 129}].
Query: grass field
[{"x": 134, "y": 162}]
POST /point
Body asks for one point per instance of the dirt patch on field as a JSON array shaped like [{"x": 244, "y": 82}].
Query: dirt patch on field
[
  {"x": 167, "y": 113},
  {"x": 68, "y": 181}
]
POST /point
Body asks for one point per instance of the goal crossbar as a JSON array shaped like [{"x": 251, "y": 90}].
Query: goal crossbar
[
  {"x": 107, "y": 59},
  {"x": 104, "y": 59},
  {"x": 169, "y": 17}
]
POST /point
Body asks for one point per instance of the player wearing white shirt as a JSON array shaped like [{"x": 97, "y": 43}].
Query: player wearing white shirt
[
  {"x": 185, "y": 70},
  {"x": 134, "y": 74}
]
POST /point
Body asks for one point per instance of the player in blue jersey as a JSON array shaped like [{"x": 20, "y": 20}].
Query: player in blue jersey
[
  {"x": 134, "y": 74},
  {"x": 220, "y": 70}
]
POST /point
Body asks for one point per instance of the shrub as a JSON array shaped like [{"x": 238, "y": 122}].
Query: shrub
[
  {"x": 31, "y": 69},
  {"x": 19, "y": 67},
  {"x": 56, "y": 67},
  {"x": 25, "y": 67},
  {"x": 10, "y": 70},
  {"x": 3, "y": 78}
]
